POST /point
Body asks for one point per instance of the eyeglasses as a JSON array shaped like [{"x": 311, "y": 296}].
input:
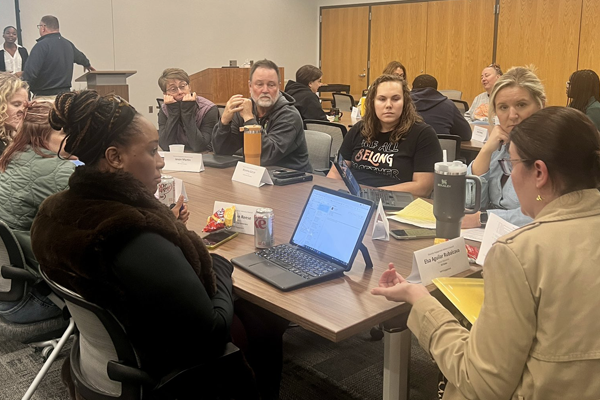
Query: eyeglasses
[
  {"x": 506, "y": 164},
  {"x": 40, "y": 25},
  {"x": 176, "y": 89}
]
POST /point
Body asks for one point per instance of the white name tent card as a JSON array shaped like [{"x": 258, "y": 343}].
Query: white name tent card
[
  {"x": 184, "y": 162},
  {"x": 480, "y": 134},
  {"x": 180, "y": 190},
  {"x": 253, "y": 175},
  {"x": 494, "y": 228},
  {"x": 244, "y": 216},
  {"x": 444, "y": 259},
  {"x": 381, "y": 227}
]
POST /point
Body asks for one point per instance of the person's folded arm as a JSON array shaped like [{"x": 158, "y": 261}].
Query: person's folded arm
[
  {"x": 282, "y": 138},
  {"x": 227, "y": 139},
  {"x": 199, "y": 136},
  {"x": 489, "y": 362},
  {"x": 167, "y": 126},
  {"x": 156, "y": 275}
]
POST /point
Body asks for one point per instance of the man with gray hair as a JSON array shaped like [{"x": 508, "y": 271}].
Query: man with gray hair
[
  {"x": 49, "y": 68},
  {"x": 283, "y": 140}
]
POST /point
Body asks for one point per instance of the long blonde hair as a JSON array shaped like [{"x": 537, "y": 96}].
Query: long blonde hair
[
  {"x": 523, "y": 77},
  {"x": 9, "y": 86}
]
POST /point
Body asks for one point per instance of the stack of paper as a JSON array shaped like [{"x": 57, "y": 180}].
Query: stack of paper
[{"x": 418, "y": 213}]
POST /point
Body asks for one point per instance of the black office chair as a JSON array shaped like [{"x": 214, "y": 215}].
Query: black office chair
[
  {"x": 334, "y": 87},
  {"x": 221, "y": 110},
  {"x": 336, "y": 130},
  {"x": 462, "y": 105},
  {"x": 343, "y": 102},
  {"x": 15, "y": 281},
  {"x": 451, "y": 143},
  {"x": 105, "y": 366}
]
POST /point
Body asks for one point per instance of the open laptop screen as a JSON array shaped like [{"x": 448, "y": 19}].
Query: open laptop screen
[
  {"x": 347, "y": 176},
  {"x": 332, "y": 225}
]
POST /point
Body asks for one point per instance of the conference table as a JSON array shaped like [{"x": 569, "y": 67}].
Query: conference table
[{"x": 335, "y": 309}]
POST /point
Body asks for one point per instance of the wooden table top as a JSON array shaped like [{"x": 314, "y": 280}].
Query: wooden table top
[{"x": 335, "y": 309}]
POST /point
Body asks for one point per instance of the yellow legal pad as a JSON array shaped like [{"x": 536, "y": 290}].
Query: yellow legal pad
[{"x": 465, "y": 293}]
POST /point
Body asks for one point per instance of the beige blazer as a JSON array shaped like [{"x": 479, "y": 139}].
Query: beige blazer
[{"x": 538, "y": 334}]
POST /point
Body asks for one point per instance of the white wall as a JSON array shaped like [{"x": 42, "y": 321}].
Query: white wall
[
  {"x": 7, "y": 14},
  {"x": 151, "y": 35}
]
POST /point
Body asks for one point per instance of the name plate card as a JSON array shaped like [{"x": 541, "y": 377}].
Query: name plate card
[
  {"x": 480, "y": 134},
  {"x": 252, "y": 175},
  {"x": 184, "y": 162},
  {"x": 244, "y": 216},
  {"x": 444, "y": 259},
  {"x": 381, "y": 227}
]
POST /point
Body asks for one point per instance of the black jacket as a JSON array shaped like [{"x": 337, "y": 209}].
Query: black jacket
[
  {"x": 307, "y": 102},
  {"x": 49, "y": 70},
  {"x": 22, "y": 51},
  {"x": 441, "y": 113}
]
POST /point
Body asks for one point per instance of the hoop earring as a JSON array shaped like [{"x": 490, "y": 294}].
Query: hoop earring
[{"x": 539, "y": 198}]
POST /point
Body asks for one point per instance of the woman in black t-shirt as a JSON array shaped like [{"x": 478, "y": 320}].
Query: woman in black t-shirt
[{"x": 391, "y": 148}]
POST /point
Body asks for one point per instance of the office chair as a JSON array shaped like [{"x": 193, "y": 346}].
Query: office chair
[
  {"x": 337, "y": 132},
  {"x": 105, "y": 366},
  {"x": 15, "y": 282},
  {"x": 334, "y": 87},
  {"x": 451, "y": 143},
  {"x": 462, "y": 105},
  {"x": 160, "y": 101},
  {"x": 221, "y": 110},
  {"x": 452, "y": 94},
  {"x": 319, "y": 149},
  {"x": 343, "y": 102}
]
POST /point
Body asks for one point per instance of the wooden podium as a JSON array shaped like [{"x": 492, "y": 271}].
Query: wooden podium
[
  {"x": 219, "y": 84},
  {"x": 107, "y": 82}
]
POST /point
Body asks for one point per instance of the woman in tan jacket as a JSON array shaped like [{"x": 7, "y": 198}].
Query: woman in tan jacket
[{"x": 537, "y": 336}]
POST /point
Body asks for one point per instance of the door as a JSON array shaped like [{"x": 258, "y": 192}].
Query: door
[
  {"x": 398, "y": 33},
  {"x": 460, "y": 43},
  {"x": 544, "y": 33},
  {"x": 344, "y": 47}
]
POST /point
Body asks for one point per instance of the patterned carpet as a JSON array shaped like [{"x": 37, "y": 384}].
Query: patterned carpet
[{"x": 314, "y": 368}]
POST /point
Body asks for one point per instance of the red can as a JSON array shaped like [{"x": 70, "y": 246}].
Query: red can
[{"x": 263, "y": 228}]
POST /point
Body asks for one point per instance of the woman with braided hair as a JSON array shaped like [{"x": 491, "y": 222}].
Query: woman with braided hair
[
  {"x": 583, "y": 93},
  {"x": 110, "y": 240}
]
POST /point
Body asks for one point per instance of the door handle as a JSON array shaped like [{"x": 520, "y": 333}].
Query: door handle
[{"x": 362, "y": 75}]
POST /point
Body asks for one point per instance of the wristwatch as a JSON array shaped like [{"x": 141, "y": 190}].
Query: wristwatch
[{"x": 483, "y": 217}]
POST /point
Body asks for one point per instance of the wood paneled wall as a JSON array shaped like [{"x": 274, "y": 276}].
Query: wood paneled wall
[
  {"x": 544, "y": 33},
  {"x": 589, "y": 44},
  {"x": 344, "y": 47},
  {"x": 399, "y": 32},
  {"x": 460, "y": 42}
]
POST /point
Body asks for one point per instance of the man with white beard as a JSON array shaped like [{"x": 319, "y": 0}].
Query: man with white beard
[{"x": 283, "y": 140}]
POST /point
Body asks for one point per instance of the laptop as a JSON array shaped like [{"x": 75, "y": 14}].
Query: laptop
[
  {"x": 391, "y": 200},
  {"x": 324, "y": 243},
  {"x": 219, "y": 161}
]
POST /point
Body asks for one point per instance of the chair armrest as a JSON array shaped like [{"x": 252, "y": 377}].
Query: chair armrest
[
  {"x": 18, "y": 274},
  {"x": 124, "y": 373}
]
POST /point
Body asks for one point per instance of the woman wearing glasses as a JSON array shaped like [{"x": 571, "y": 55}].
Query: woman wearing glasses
[
  {"x": 517, "y": 95},
  {"x": 478, "y": 113},
  {"x": 536, "y": 336},
  {"x": 184, "y": 118},
  {"x": 583, "y": 92}
]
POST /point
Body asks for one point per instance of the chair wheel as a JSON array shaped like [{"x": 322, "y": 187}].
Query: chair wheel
[
  {"x": 46, "y": 352},
  {"x": 376, "y": 333}
]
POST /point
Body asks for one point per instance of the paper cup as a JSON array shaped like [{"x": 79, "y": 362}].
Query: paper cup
[{"x": 176, "y": 148}]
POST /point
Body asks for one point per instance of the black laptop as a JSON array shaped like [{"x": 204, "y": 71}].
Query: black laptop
[
  {"x": 391, "y": 200},
  {"x": 219, "y": 161},
  {"x": 324, "y": 244}
]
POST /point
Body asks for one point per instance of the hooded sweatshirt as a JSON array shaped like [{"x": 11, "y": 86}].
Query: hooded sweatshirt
[
  {"x": 307, "y": 102},
  {"x": 283, "y": 140},
  {"x": 441, "y": 113}
]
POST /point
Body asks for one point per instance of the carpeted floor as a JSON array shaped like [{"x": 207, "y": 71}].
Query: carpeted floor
[{"x": 314, "y": 368}]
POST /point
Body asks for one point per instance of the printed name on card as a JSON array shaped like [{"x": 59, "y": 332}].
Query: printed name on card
[
  {"x": 184, "y": 162},
  {"x": 253, "y": 175},
  {"x": 444, "y": 259},
  {"x": 244, "y": 216}
]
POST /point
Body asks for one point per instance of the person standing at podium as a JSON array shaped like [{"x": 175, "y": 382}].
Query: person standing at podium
[
  {"x": 49, "y": 68},
  {"x": 184, "y": 118},
  {"x": 283, "y": 139}
]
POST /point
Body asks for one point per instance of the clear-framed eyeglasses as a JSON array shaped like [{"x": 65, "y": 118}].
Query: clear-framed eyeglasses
[
  {"x": 506, "y": 164},
  {"x": 177, "y": 89}
]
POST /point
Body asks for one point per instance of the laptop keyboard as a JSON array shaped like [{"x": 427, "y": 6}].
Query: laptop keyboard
[{"x": 296, "y": 261}]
